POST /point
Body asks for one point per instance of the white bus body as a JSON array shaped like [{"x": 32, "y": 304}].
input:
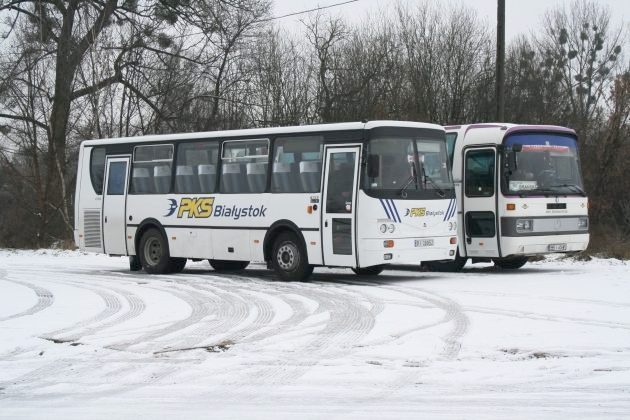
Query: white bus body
[
  {"x": 519, "y": 193},
  {"x": 345, "y": 195}
]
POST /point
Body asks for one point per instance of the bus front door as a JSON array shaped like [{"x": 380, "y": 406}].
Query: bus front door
[
  {"x": 339, "y": 206},
  {"x": 480, "y": 190},
  {"x": 114, "y": 206}
]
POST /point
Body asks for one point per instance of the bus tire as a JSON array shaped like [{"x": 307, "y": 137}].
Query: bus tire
[
  {"x": 511, "y": 263},
  {"x": 452, "y": 266},
  {"x": 153, "y": 253},
  {"x": 176, "y": 265},
  {"x": 289, "y": 259},
  {"x": 375, "y": 270},
  {"x": 227, "y": 265}
]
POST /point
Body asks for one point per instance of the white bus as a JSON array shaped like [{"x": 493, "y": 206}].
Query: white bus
[
  {"x": 357, "y": 195},
  {"x": 519, "y": 193}
]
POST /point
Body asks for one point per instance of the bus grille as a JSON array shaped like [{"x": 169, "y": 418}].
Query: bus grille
[{"x": 92, "y": 228}]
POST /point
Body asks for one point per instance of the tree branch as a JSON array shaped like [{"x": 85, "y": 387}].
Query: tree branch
[{"x": 23, "y": 118}]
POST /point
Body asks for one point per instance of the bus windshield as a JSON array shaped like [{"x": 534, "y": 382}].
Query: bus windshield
[
  {"x": 408, "y": 167},
  {"x": 541, "y": 163}
]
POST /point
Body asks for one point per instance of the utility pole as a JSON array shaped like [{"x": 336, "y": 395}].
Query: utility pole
[{"x": 500, "y": 60}]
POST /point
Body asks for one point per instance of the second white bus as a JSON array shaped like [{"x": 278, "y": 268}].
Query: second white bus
[
  {"x": 519, "y": 191},
  {"x": 356, "y": 195}
]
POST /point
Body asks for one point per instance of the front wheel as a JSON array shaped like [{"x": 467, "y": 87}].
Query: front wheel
[
  {"x": 177, "y": 265},
  {"x": 375, "y": 270},
  {"x": 289, "y": 259},
  {"x": 511, "y": 263},
  {"x": 227, "y": 265},
  {"x": 452, "y": 266}
]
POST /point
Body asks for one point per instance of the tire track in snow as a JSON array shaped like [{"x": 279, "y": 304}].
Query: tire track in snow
[{"x": 45, "y": 297}]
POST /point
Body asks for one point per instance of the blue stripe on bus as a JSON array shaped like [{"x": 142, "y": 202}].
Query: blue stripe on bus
[
  {"x": 447, "y": 215},
  {"x": 391, "y": 210},
  {"x": 384, "y": 208},
  {"x": 396, "y": 210}
]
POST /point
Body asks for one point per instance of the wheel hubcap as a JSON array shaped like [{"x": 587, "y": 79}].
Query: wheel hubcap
[
  {"x": 152, "y": 251},
  {"x": 288, "y": 257}
]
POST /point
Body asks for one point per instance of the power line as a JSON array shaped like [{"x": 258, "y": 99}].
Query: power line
[{"x": 307, "y": 11}]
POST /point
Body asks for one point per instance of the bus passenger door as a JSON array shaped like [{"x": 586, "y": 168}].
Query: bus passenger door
[
  {"x": 480, "y": 194},
  {"x": 114, "y": 206},
  {"x": 339, "y": 205}
]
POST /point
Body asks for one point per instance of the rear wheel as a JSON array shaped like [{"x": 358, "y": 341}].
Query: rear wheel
[
  {"x": 227, "y": 265},
  {"x": 375, "y": 270},
  {"x": 511, "y": 263},
  {"x": 447, "y": 266},
  {"x": 288, "y": 258},
  {"x": 154, "y": 254}
]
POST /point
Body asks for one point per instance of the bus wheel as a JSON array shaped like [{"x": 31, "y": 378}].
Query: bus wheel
[
  {"x": 510, "y": 263},
  {"x": 154, "y": 252},
  {"x": 227, "y": 265},
  {"x": 446, "y": 266},
  {"x": 289, "y": 259},
  {"x": 375, "y": 270},
  {"x": 176, "y": 265}
]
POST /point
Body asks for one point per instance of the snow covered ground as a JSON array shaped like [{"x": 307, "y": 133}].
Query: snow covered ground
[{"x": 82, "y": 337}]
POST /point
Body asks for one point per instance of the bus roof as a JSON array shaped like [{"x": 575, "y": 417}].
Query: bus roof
[
  {"x": 496, "y": 132},
  {"x": 264, "y": 131}
]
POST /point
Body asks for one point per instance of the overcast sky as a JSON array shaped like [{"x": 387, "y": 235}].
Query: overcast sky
[{"x": 521, "y": 16}]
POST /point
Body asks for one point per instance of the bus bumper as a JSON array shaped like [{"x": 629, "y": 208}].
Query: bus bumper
[
  {"x": 548, "y": 244},
  {"x": 405, "y": 251}
]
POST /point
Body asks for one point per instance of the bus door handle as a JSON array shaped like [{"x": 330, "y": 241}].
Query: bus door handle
[
  {"x": 105, "y": 219},
  {"x": 325, "y": 223},
  {"x": 469, "y": 240}
]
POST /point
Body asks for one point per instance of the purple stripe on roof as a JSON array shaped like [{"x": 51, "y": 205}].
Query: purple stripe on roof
[{"x": 547, "y": 128}]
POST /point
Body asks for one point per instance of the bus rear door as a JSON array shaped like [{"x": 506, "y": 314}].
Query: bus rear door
[
  {"x": 339, "y": 205},
  {"x": 114, "y": 206}
]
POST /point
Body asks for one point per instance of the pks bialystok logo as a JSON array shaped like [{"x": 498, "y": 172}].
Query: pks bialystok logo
[
  {"x": 204, "y": 207},
  {"x": 192, "y": 206}
]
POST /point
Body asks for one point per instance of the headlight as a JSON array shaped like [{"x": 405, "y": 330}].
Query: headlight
[
  {"x": 583, "y": 223},
  {"x": 391, "y": 228},
  {"x": 383, "y": 228},
  {"x": 524, "y": 225}
]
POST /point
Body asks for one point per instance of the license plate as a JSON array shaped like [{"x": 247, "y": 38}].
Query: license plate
[
  {"x": 557, "y": 247},
  {"x": 423, "y": 242}
]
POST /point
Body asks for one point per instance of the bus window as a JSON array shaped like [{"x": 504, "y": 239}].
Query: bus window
[
  {"x": 196, "y": 167},
  {"x": 97, "y": 169},
  {"x": 451, "y": 138},
  {"x": 480, "y": 173},
  {"x": 152, "y": 166},
  {"x": 297, "y": 164},
  {"x": 244, "y": 166}
]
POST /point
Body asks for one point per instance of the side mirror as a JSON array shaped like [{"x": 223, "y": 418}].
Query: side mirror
[{"x": 373, "y": 166}]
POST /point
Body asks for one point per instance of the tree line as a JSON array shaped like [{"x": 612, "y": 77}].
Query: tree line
[{"x": 75, "y": 70}]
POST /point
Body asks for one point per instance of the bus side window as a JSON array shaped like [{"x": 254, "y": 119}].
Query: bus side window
[
  {"x": 97, "y": 169},
  {"x": 152, "y": 168},
  {"x": 451, "y": 138},
  {"x": 297, "y": 164},
  {"x": 196, "y": 167},
  {"x": 244, "y": 166}
]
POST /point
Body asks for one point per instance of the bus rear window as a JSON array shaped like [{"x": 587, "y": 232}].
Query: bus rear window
[{"x": 97, "y": 169}]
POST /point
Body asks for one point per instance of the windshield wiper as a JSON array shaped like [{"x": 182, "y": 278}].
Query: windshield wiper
[
  {"x": 413, "y": 177},
  {"x": 573, "y": 187},
  {"x": 426, "y": 177}
]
